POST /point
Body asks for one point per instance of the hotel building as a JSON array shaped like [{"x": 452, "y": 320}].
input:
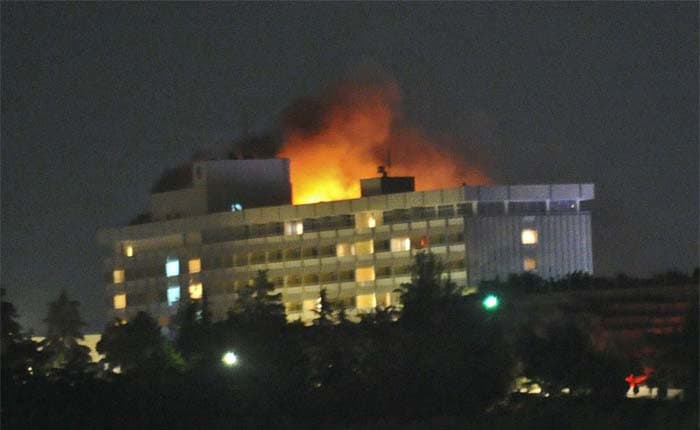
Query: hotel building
[{"x": 214, "y": 224}]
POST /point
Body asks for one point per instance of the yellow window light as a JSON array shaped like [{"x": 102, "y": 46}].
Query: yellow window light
[
  {"x": 119, "y": 301},
  {"x": 195, "y": 265},
  {"x": 118, "y": 276},
  {"x": 364, "y": 274},
  {"x": 195, "y": 291},
  {"x": 366, "y": 301},
  {"x": 528, "y": 236},
  {"x": 529, "y": 264}
]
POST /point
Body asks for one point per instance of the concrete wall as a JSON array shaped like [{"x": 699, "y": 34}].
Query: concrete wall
[{"x": 494, "y": 247}]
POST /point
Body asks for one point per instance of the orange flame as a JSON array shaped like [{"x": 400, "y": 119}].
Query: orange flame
[{"x": 336, "y": 140}]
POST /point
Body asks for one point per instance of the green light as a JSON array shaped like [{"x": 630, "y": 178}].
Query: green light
[{"x": 490, "y": 302}]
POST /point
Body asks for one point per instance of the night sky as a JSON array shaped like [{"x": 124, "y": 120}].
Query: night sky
[{"x": 98, "y": 99}]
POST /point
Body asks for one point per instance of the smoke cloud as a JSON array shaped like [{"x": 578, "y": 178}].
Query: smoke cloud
[{"x": 343, "y": 134}]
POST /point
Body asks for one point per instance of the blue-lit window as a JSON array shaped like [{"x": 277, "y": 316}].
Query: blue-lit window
[
  {"x": 173, "y": 295},
  {"x": 172, "y": 267},
  {"x": 236, "y": 207}
]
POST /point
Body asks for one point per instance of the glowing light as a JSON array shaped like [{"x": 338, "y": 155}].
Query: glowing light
[
  {"x": 528, "y": 236},
  {"x": 118, "y": 276},
  {"x": 172, "y": 267},
  {"x": 120, "y": 301},
  {"x": 347, "y": 134},
  {"x": 195, "y": 265},
  {"x": 195, "y": 291},
  {"x": 129, "y": 251},
  {"x": 229, "y": 358},
  {"x": 490, "y": 302}
]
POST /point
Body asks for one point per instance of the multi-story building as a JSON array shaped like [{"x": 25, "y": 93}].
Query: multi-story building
[{"x": 218, "y": 223}]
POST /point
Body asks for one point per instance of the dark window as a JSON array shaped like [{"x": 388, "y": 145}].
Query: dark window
[
  {"x": 562, "y": 206},
  {"x": 275, "y": 255},
  {"x": 446, "y": 211},
  {"x": 397, "y": 215},
  {"x": 382, "y": 245},
  {"x": 491, "y": 208},
  {"x": 311, "y": 279},
  {"x": 327, "y": 251},
  {"x": 525, "y": 208},
  {"x": 329, "y": 277},
  {"x": 292, "y": 254},
  {"x": 312, "y": 224},
  {"x": 465, "y": 209},
  {"x": 293, "y": 280}
]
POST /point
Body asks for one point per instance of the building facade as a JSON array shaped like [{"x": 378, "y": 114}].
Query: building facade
[{"x": 360, "y": 251}]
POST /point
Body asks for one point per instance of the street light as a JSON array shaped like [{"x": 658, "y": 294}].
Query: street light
[
  {"x": 229, "y": 359},
  {"x": 490, "y": 302}
]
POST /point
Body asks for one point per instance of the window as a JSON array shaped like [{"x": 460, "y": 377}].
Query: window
[
  {"x": 118, "y": 276},
  {"x": 119, "y": 301},
  {"x": 172, "y": 267},
  {"x": 366, "y": 301},
  {"x": 365, "y": 247},
  {"x": 312, "y": 304},
  {"x": 195, "y": 265},
  {"x": 529, "y": 264},
  {"x": 364, "y": 274},
  {"x": 129, "y": 251},
  {"x": 195, "y": 291},
  {"x": 368, "y": 219},
  {"x": 400, "y": 244},
  {"x": 292, "y": 307},
  {"x": 387, "y": 300},
  {"x": 293, "y": 227},
  {"x": 528, "y": 236},
  {"x": 446, "y": 211},
  {"x": 491, "y": 208},
  {"x": 344, "y": 249},
  {"x": 465, "y": 209},
  {"x": 562, "y": 206},
  {"x": 173, "y": 295},
  {"x": 527, "y": 208}
]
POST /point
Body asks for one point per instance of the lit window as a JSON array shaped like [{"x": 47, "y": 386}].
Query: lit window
[
  {"x": 529, "y": 263},
  {"x": 311, "y": 305},
  {"x": 196, "y": 291},
  {"x": 400, "y": 244},
  {"x": 344, "y": 249},
  {"x": 173, "y": 295},
  {"x": 528, "y": 236},
  {"x": 119, "y": 301},
  {"x": 368, "y": 219},
  {"x": 366, "y": 301},
  {"x": 365, "y": 247},
  {"x": 172, "y": 267},
  {"x": 363, "y": 274},
  {"x": 292, "y": 307},
  {"x": 293, "y": 227},
  {"x": 129, "y": 251},
  {"x": 195, "y": 265},
  {"x": 118, "y": 276},
  {"x": 387, "y": 300}
]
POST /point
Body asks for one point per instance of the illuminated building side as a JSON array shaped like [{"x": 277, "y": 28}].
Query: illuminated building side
[{"x": 359, "y": 250}]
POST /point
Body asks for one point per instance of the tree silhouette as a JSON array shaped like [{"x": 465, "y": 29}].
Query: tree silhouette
[
  {"x": 18, "y": 353},
  {"x": 137, "y": 347},
  {"x": 64, "y": 329}
]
